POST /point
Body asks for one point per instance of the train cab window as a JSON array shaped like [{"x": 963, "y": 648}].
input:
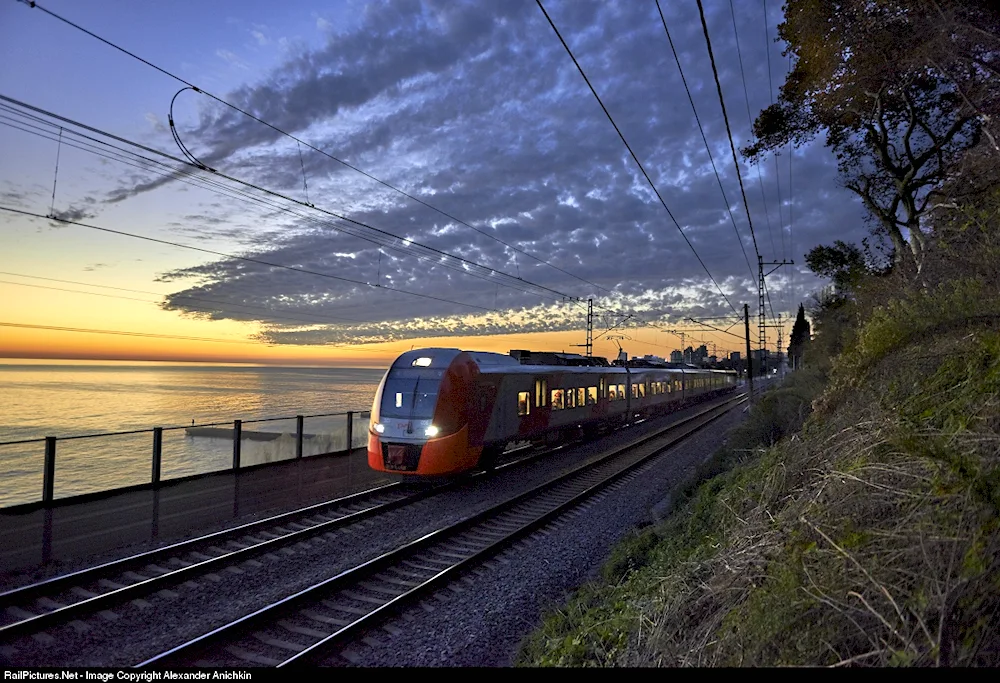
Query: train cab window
[
  {"x": 591, "y": 396},
  {"x": 581, "y": 397},
  {"x": 399, "y": 399},
  {"x": 523, "y": 403},
  {"x": 558, "y": 399},
  {"x": 541, "y": 392},
  {"x": 621, "y": 392}
]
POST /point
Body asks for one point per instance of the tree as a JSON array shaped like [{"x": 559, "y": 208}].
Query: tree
[
  {"x": 843, "y": 263},
  {"x": 801, "y": 336},
  {"x": 901, "y": 88}
]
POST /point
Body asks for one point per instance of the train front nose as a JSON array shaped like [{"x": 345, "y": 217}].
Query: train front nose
[
  {"x": 403, "y": 415},
  {"x": 419, "y": 421}
]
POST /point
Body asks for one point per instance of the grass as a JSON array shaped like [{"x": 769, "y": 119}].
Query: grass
[{"x": 870, "y": 538}]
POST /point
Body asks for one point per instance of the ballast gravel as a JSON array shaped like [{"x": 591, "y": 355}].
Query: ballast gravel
[{"x": 479, "y": 621}]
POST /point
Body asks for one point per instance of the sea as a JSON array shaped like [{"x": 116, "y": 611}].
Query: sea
[{"x": 77, "y": 402}]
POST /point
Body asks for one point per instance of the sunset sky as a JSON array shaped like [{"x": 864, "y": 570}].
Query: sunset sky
[{"x": 474, "y": 108}]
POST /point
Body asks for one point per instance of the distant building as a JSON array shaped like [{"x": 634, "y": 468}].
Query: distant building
[
  {"x": 735, "y": 356},
  {"x": 676, "y": 356}
]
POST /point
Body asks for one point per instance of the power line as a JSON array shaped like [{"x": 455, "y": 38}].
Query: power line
[
  {"x": 438, "y": 256},
  {"x": 303, "y": 142},
  {"x": 629, "y": 148},
  {"x": 770, "y": 92},
  {"x": 244, "y": 258},
  {"x": 725, "y": 117},
  {"x": 191, "y": 298},
  {"x": 746, "y": 97},
  {"x": 127, "y": 334},
  {"x": 704, "y": 139}
]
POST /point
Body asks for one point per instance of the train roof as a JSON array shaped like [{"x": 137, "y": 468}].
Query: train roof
[{"x": 490, "y": 362}]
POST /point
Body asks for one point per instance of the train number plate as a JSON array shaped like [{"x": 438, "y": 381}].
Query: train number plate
[{"x": 397, "y": 455}]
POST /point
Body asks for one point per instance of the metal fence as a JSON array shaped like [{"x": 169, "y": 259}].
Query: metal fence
[{"x": 93, "y": 463}]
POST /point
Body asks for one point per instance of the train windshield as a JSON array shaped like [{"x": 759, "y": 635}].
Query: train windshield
[{"x": 410, "y": 396}]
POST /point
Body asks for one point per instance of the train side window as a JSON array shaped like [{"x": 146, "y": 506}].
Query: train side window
[
  {"x": 581, "y": 397},
  {"x": 591, "y": 396},
  {"x": 642, "y": 390},
  {"x": 635, "y": 391},
  {"x": 558, "y": 399},
  {"x": 621, "y": 392},
  {"x": 612, "y": 392},
  {"x": 604, "y": 391},
  {"x": 523, "y": 403},
  {"x": 571, "y": 398}
]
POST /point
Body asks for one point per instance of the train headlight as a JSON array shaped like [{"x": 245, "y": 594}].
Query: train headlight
[
  {"x": 431, "y": 431},
  {"x": 379, "y": 427}
]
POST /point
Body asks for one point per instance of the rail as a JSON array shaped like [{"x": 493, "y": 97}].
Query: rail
[{"x": 235, "y": 431}]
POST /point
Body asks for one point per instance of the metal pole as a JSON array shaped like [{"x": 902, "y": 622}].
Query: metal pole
[
  {"x": 299, "y": 425},
  {"x": 746, "y": 325},
  {"x": 157, "y": 453},
  {"x": 237, "y": 437},
  {"x": 49, "y": 474},
  {"x": 350, "y": 430}
]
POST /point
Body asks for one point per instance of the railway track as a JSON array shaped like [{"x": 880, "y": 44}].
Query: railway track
[
  {"x": 60, "y": 599},
  {"x": 309, "y": 626}
]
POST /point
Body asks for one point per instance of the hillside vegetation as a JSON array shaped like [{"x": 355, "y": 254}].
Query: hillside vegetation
[{"x": 853, "y": 518}]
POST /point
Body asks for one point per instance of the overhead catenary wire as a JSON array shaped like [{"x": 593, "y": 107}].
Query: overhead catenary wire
[
  {"x": 128, "y": 333},
  {"x": 243, "y": 258},
  {"x": 303, "y": 142},
  {"x": 746, "y": 98},
  {"x": 378, "y": 236},
  {"x": 708, "y": 148},
  {"x": 634, "y": 157},
  {"x": 725, "y": 118},
  {"x": 770, "y": 90},
  {"x": 221, "y": 305}
]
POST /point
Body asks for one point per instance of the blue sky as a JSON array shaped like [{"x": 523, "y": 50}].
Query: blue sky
[{"x": 472, "y": 107}]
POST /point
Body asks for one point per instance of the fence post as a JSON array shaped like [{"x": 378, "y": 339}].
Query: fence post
[
  {"x": 157, "y": 454},
  {"x": 49, "y": 475},
  {"x": 299, "y": 425},
  {"x": 237, "y": 437},
  {"x": 350, "y": 429}
]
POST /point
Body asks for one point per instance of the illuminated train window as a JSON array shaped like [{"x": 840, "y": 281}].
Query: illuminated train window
[
  {"x": 642, "y": 390},
  {"x": 635, "y": 391},
  {"x": 571, "y": 398},
  {"x": 399, "y": 400},
  {"x": 612, "y": 393},
  {"x": 621, "y": 392},
  {"x": 557, "y": 399},
  {"x": 591, "y": 396},
  {"x": 581, "y": 397},
  {"x": 523, "y": 403}
]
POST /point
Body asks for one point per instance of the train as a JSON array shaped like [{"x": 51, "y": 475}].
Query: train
[{"x": 443, "y": 411}]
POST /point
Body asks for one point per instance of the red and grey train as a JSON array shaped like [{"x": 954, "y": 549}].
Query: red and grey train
[{"x": 441, "y": 411}]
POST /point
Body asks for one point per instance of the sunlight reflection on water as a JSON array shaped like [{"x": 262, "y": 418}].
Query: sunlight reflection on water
[{"x": 67, "y": 400}]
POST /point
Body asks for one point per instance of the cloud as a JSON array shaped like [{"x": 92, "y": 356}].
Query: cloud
[
  {"x": 482, "y": 114},
  {"x": 231, "y": 58}
]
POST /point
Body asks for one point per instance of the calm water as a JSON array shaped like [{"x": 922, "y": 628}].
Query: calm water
[{"x": 71, "y": 400}]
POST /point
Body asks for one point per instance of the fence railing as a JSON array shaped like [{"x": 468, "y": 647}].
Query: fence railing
[{"x": 272, "y": 442}]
